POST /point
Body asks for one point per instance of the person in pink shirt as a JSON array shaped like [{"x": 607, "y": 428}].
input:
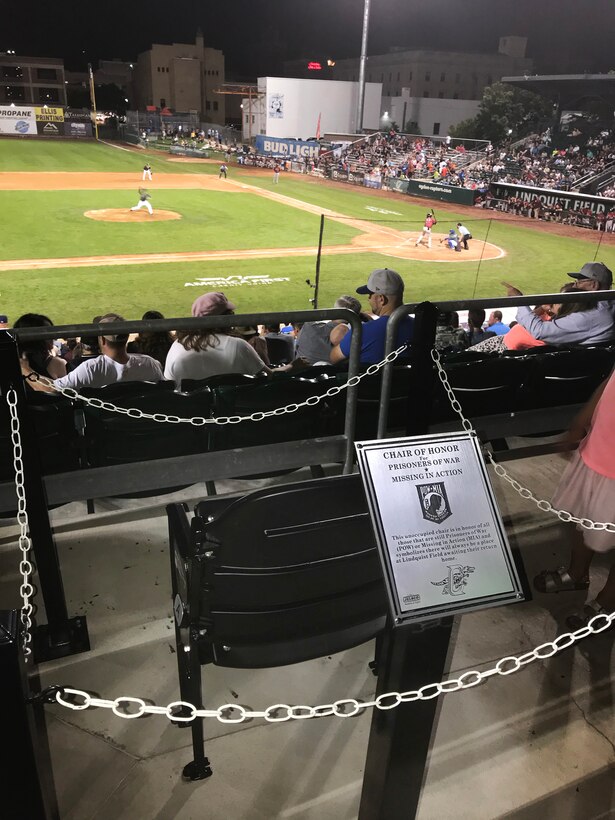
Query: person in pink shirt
[{"x": 587, "y": 490}]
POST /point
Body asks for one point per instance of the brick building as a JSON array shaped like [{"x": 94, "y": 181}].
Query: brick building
[{"x": 183, "y": 77}]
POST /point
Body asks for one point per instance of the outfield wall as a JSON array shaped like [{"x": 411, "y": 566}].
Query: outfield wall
[{"x": 44, "y": 121}]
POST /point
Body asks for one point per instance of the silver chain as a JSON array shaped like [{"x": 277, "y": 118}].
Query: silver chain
[
  {"x": 26, "y": 590},
  {"x": 345, "y": 707},
  {"x": 199, "y": 421},
  {"x": 524, "y": 492}
]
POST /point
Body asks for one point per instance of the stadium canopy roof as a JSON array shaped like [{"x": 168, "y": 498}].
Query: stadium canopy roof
[{"x": 570, "y": 91}]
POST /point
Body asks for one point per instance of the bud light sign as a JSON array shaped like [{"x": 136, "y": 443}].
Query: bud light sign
[{"x": 273, "y": 147}]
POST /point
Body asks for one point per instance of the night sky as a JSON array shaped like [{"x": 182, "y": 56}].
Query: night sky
[{"x": 257, "y": 35}]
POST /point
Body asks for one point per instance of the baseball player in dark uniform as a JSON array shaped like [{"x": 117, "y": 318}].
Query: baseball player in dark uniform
[{"x": 143, "y": 202}]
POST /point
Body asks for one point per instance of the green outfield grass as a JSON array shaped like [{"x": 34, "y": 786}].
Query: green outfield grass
[
  {"x": 51, "y": 224},
  {"x": 72, "y": 155},
  {"x": 48, "y": 224}
]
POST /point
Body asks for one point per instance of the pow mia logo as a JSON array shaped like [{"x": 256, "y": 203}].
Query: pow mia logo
[
  {"x": 456, "y": 582},
  {"x": 434, "y": 502}
]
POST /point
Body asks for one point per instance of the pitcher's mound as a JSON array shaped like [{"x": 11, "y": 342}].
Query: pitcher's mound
[{"x": 126, "y": 215}]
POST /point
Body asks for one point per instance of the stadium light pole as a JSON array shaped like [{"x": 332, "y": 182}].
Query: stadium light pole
[{"x": 362, "y": 63}]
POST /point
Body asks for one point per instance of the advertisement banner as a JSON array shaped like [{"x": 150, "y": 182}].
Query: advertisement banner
[
  {"x": 400, "y": 185},
  {"x": 445, "y": 193},
  {"x": 356, "y": 177},
  {"x": 272, "y": 146},
  {"x": 51, "y": 129},
  {"x": 373, "y": 180},
  {"x": 568, "y": 200},
  {"x": 48, "y": 114},
  {"x": 74, "y": 128},
  {"x": 77, "y": 115},
  {"x": 339, "y": 176},
  {"x": 18, "y": 121},
  {"x": 440, "y": 535}
]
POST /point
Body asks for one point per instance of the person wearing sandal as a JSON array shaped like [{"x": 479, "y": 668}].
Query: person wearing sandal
[{"x": 587, "y": 490}]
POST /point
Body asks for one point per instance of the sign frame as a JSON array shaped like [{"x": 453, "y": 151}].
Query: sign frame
[{"x": 453, "y": 605}]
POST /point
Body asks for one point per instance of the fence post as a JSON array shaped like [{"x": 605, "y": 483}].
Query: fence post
[
  {"x": 61, "y": 635},
  {"x": 421, "y": 378},
  {"x": 28, "y": 791},
  {"x": 318, "y": 258},
  {"x": 407, "y": 657}
]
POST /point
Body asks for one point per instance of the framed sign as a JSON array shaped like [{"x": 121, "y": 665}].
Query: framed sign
[{"x": 441, "y": 539}]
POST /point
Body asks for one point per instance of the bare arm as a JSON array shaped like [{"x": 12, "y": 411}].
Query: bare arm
[
  {"x": 580, "y": 424},
  {"x": 336, "y": 355},
  {"x": 338, "y": 333}
]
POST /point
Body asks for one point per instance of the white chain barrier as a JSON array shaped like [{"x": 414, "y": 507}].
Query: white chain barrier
[
  {"x": 281, "y": 712},
  {"x": 524, "y": 492},
  {"x": 345, "y": 707},
  {"x": 199, "y": 421},
  {"x": 26, "y": 590}
]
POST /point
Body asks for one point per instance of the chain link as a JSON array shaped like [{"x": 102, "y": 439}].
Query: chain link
[
  {"x": 524, "y": 492},
  {"x": 199, "y": 421},
  {"x": 26, "y": 590},
  {"x": 184, "y": 712}
]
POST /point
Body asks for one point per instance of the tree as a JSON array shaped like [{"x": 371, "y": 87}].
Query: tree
[{"x": 505, "y": 113}]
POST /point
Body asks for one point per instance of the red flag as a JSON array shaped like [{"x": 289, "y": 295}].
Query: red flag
[{"x": 318, "y": 128}]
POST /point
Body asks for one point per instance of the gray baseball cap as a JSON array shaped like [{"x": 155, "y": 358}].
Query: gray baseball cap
[
  {"x": 383, "y": 280},
  {"x": 597, "y": 271}
]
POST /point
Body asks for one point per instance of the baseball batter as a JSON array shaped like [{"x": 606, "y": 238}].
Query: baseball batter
[
  {"x": 143, "y": 202},
  {"x": 430, "y": 221},
  {"x": 147, "y": 172}
]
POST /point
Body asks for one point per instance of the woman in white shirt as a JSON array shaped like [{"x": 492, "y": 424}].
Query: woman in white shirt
[{"x": 199, "y": 354}]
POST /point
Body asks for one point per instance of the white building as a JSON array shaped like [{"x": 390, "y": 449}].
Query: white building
[
  {"x": 292, "y": 109},
  {"x": 433, "y": 116}
]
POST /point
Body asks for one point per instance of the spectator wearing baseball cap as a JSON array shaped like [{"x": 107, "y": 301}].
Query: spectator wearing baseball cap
[
  {"x": 385, "y": 292},
  {"x": 593, "y": 276},
  {"x": 200, "y": 354},
  {"x": 114, "y": 364},
  {"x": 591, "y": 326}
]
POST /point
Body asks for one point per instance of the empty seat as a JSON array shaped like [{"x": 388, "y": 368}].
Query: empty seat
[
  {"x": 279, "y": 576},
  {"x": 565, "y": 377}
]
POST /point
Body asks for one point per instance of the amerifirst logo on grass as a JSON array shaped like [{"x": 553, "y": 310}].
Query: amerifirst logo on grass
[{"x": 236, "y": 281}]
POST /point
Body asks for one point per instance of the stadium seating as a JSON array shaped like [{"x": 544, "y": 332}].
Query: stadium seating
[{"x": 279, "y": 576}]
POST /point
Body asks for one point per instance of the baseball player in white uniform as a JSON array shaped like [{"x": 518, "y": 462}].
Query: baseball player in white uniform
[{"x": 147, "y": 172}]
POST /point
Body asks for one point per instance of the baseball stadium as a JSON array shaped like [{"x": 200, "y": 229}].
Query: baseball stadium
[
  {"x": 307, "y": 418},
  {"x": 67, "y": 219}
]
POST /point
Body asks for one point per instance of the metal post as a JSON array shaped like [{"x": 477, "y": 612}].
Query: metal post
[
  {"x": 93, "y": 98},
  {"x": 409, "y": 656},
  {"x": 28, "y": 791},
  {"x": 362, "y": 63},
  {"x": 61, "y": 635},
  {"x": 421, "y": 381},
  {"x": 318, "y": 258},
  {"x": 399, "y": 738}
]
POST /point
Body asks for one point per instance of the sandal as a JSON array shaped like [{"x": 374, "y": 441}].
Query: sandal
[
  {"x": 558, "y": 580},
  {"x": 580, "y": 619}
]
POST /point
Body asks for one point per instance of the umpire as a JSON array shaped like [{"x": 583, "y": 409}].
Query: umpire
[{"x": 464, "y": 235}]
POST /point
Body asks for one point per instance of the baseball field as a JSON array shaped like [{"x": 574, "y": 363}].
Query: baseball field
[{"x": 71, "y": 248}]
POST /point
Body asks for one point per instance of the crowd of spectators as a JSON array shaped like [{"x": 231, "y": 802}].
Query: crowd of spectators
[{"x": 271, "y": 349}]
